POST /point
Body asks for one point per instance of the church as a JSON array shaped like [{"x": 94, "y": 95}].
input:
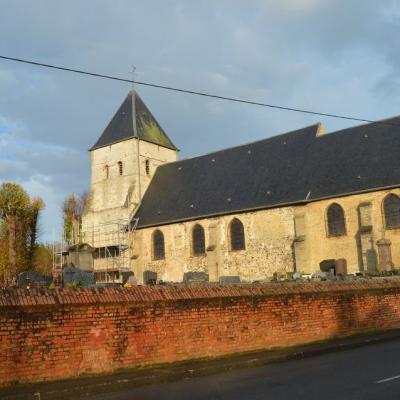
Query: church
[{"x": 302, "y": 201}]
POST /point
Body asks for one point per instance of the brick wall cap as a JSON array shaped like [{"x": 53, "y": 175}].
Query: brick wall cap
[{"x": 149, "y": 294}]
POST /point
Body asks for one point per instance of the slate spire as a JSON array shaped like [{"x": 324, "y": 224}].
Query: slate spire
[{"x": 121, "y": 126}]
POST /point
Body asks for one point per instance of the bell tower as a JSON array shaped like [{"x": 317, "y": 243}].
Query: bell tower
[{"x": 123, "y": 162}]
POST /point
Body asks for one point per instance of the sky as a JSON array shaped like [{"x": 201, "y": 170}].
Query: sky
[{"x": 339, "y": 57}]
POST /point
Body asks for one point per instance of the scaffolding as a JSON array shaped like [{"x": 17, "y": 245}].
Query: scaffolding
[
  {"x": 111, "y": 249},
  {"x": 60, "y": 258}
]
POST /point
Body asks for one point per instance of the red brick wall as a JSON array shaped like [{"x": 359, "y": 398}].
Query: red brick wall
[{"x": 56, "y": 334}]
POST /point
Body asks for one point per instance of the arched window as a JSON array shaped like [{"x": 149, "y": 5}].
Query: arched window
[
  {"x": 158, "y": 245},
  {"x": 391, "y": 208},
  {"x": 198, "y": 240},
  {"x": 120, "y": 168},
  {"x": 335, "y": 219},
  {"x": 236, "y": 232},
  {"x": 107, "y": 171},
  {"x": 147, "y": 167}
]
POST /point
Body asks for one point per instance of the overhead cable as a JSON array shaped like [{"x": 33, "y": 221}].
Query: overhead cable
[{"x": 197, "y": 93}]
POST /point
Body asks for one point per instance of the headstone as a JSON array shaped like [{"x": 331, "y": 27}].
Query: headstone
[
  {"x": 341, "y": 267},
  {"x": 73, "y": 275},
  {"x": 289, "y": 275},
  {"x": 384, "y": 254},
  {"x": 149, "y": 277},
  {"x": 81, "y": 256},
  {"x": 328, "y": 266},
  {"x": 321, "y": 276},
  {"x": 229, "y": 279},
  {"x": 126, "y": 276},
  {"x": 30, "y": 279},
  {"x": 277, "y": 276},
  {"x": 296, "y": 276},
  {"x": 195, "y": 277},
  {"x": 131, "y": 281},
  {"x": 372, "y": 260}
]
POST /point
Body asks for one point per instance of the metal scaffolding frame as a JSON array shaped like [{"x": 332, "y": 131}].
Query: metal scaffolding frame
[
  {"x": 60, "y": 254},
  {"x": 111, "y": 248}
]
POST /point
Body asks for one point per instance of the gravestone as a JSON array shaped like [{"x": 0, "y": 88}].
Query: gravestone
[
  {"x": 229, "y": 279},
  {"x": 195, "y": 277},
  {"x": 131, "y": 281},
  {"x": 149, "y": 277},
  {"x": 72, "y": 275},
  {"x": 30, "y": 279},
  {"x": 341, "y": 267},
  {"x": 384, "y": 254},
  {"x": 328, "y": 266},
  {"x": 126, "y": 276},
  {"x": 372, "y": 260},
  {"x": 81, "y": 256}
]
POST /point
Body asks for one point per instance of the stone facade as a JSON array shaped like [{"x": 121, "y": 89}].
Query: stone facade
[
  {"x": 115, "y": 196},
  {"x": 277, "y": 240},
  {"x": 365, "y": 225},
  {"x": 269, "y": 236}
]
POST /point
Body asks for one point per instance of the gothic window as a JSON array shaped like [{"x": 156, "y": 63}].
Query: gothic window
[
  {"x": 107, "y": 171},
  {"x": 158, "y": 245},
  {"x": 335, "y": 219},
  {"x": 147, "y": 164},
  {"x": 120, "y": 168},
  {"x": 236, "y": 231},
  {"x": 391, "y": 208},
  {"x": 198, "y": 240}
]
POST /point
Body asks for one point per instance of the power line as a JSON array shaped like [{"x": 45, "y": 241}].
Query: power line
[{"x": 196, "y": 93}]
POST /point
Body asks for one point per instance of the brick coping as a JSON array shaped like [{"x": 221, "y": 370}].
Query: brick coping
[{"x": 149, "y": 294}]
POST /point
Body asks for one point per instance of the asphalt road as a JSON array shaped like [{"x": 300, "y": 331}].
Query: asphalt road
[{"x": 371, "y": 372}]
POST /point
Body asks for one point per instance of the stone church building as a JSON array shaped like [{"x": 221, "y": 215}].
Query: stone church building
[{"x": 301, "y": 201}]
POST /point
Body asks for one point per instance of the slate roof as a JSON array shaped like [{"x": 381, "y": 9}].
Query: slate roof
[
  {"x": 121, "y": 125},
  {"x": 296, "y": 167}
]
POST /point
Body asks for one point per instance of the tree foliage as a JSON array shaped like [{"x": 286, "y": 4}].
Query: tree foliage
[
  {"x": 73, "y": 209},
  {"x": 19, "y": 215},
  {"x": 43, "y": 259}
]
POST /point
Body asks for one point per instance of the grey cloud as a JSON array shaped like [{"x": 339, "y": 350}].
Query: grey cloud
[{"x": 333, "y": 56}]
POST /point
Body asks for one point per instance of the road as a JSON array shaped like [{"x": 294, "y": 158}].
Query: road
[{"x": 366, "y": 373}]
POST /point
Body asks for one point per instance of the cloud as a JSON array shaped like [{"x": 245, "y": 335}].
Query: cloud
[
  {"x": 333, "y": 56},
  {"x": 44, "y": 170},
  {"x": 50, "y": 221},
  {"x": 292, "y": 5}
]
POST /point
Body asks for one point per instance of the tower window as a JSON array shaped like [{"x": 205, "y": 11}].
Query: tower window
[
  {"x": 158, "y": 245},
  {"x": 391, "y": 209},
  {"x": 147, "y": 166},
  {"x": 236, "y": 231},
  {"x": 120, "y": 167},
  {"x": 107, "y": 171},
  {"x": 335, "y": 219},
  {"x": 198, "y": 240}
]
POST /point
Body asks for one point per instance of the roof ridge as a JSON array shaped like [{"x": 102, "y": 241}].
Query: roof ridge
[{"x": 273, "y": 175}]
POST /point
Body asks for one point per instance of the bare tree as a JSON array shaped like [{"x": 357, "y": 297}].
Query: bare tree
[{"x": 73, "y": 209}]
